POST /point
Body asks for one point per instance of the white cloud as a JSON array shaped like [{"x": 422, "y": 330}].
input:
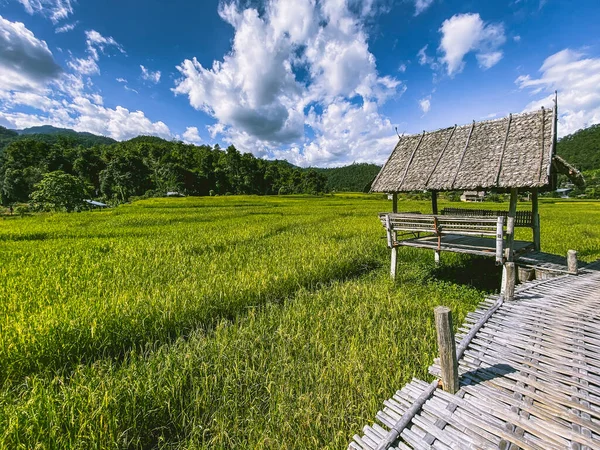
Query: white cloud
[
  {"x": 346, "y": 133},
  {"x": 121, "y": 80},
  {"x": 402, "y": 68},
  {"x": 55, "y": 10},
  {"x": 66, "y": 28},
  {"x": 312, "y": 55},
  {"x": 577, "y": 79},
  {"x": 517, "y": 38},
  {"x": 95, "y": 43},
  {"x": 26, "y": 63},
  {"x": 84, "y": 66},
  {"x": 422, "y": 5},
  {"x": 148, "y": 75},
  {"x": 81, "y": 114},
  {"x": 191, "y": 135},
  {"x": 30, "y": 77},
  {"x": 425, "y": 104},
  {"x": 465, "y": 33}
]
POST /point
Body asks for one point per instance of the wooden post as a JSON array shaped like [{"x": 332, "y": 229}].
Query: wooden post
[
  {"x": 437, "y": 257},
  {"x": 391, "y": 241},
  {"x": 394, "y": 261},
  {"x": 514, "y": 198},
  {"x": 499, "y": 239},
  {"x": 447, "y": 348},
  {"x": 510, "y": 238},
  {"x": 535, "y": 218},
  {"x": 572, "y": 262},
  {"x": 434, "y": 207},
  {"x": 508, "y": 281}
]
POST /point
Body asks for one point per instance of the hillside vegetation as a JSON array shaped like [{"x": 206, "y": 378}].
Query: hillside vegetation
[
  {"x": 225, "y": 322},
  {"x": 582, "y": 148},
  {"x": 352, "y": 178},
  {"x": 144, "y": 166}
]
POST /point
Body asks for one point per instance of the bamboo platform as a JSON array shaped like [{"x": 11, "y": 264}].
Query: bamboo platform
[{"x": 529, "y": 377}]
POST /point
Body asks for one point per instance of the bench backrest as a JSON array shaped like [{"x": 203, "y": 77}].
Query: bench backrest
[
  {"x": 438, "y": 224},
  {"x": 441, "y": 225},
  {"x": 522, "y": 218}
]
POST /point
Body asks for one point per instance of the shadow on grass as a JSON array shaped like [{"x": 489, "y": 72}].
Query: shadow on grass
[{"x": 480, "y": 273}]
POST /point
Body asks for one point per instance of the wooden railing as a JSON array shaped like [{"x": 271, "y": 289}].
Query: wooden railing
[
  {"x": 522, "y": 218},
  {"x": 440, "y": 225}
]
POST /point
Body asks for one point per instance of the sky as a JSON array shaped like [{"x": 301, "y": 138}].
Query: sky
[{"x": 316, "y": 82}]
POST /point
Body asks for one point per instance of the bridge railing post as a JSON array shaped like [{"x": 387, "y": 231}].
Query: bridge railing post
[
  {"x": 447, "y": 348},
  {"x": 572, "y": 262}
]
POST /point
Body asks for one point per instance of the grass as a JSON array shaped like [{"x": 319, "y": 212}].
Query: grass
[{"x": 237, "y": 322}]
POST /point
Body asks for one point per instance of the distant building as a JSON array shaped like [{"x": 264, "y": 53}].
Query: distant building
[
  {"x": 95, "y": 204},
  {"x": 472, "y": 196},
  {"x": 564, "y": 192}
]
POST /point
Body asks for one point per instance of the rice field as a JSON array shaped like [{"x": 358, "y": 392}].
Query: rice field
[{"x": 227, "y": 322}]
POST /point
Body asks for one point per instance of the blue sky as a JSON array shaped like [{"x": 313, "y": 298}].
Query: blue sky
[{"x": 317, "y": 82}]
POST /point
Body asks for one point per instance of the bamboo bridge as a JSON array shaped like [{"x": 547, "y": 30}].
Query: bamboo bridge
[{"x": 526, "y": 375}]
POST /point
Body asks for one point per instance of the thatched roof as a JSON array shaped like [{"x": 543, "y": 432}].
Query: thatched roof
[{"x": 513, "y": 152}]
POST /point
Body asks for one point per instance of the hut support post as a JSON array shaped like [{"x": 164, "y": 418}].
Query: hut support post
[
  {"x": 512, "y": 212},
  {"x": 447, "y": 348},
  {"x": 434, "y": 211},
  {"x": 394, "y": 259},
  {"x": 535, "y": 218}
]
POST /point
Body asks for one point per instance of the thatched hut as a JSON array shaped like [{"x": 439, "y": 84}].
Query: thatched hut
[{"x": 516, "y": 153}]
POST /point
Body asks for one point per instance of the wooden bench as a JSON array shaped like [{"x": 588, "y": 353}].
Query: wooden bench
[
  {"x": 482, "y": 236},
  {"x": 522, "y": 218}
]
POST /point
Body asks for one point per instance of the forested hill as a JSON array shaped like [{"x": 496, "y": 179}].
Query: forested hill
[
  {"x": 52, "y": 135},
  {"x": 352, "y": 178},
  {"x": 582, "y": 148}
]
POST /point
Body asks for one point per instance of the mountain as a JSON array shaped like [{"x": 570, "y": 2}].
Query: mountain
[
  {"x": 52, "y": 135},
  {"x": 582, "y": 148},
  {"x": 352, "y": 178},
  {"x": 46, "y": 129}
]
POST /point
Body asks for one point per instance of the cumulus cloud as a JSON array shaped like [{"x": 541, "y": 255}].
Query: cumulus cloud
[
  {"x": 84, "y": 66},
  {"x": 465, "y": 33},
  {"x": 312, "y": 55},
  {"x": 26, "y": 63},
  {"x": 30, "y": 77},
  {"x": 577, "y": 79},
  {"x": 191, "y": 135},
  {"x": 55, "y": 10},
  {"x": 148, "y": 75},
  {"x": 85, "y": 114}
]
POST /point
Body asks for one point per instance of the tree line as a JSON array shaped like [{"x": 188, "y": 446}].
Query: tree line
[{"x": 147, "y": 166}]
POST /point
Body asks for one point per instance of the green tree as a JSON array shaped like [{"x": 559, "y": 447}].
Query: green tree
[{"x": 58, "y": 191}]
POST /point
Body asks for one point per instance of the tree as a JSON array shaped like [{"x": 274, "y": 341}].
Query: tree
[{"x": 58, "y": 191}]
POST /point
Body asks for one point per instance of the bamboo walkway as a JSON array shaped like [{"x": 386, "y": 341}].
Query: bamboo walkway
[{"x": 529, "y": 377}]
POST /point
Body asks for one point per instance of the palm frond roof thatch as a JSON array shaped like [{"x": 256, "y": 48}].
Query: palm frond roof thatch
[{"x": 514, "y": 152}]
